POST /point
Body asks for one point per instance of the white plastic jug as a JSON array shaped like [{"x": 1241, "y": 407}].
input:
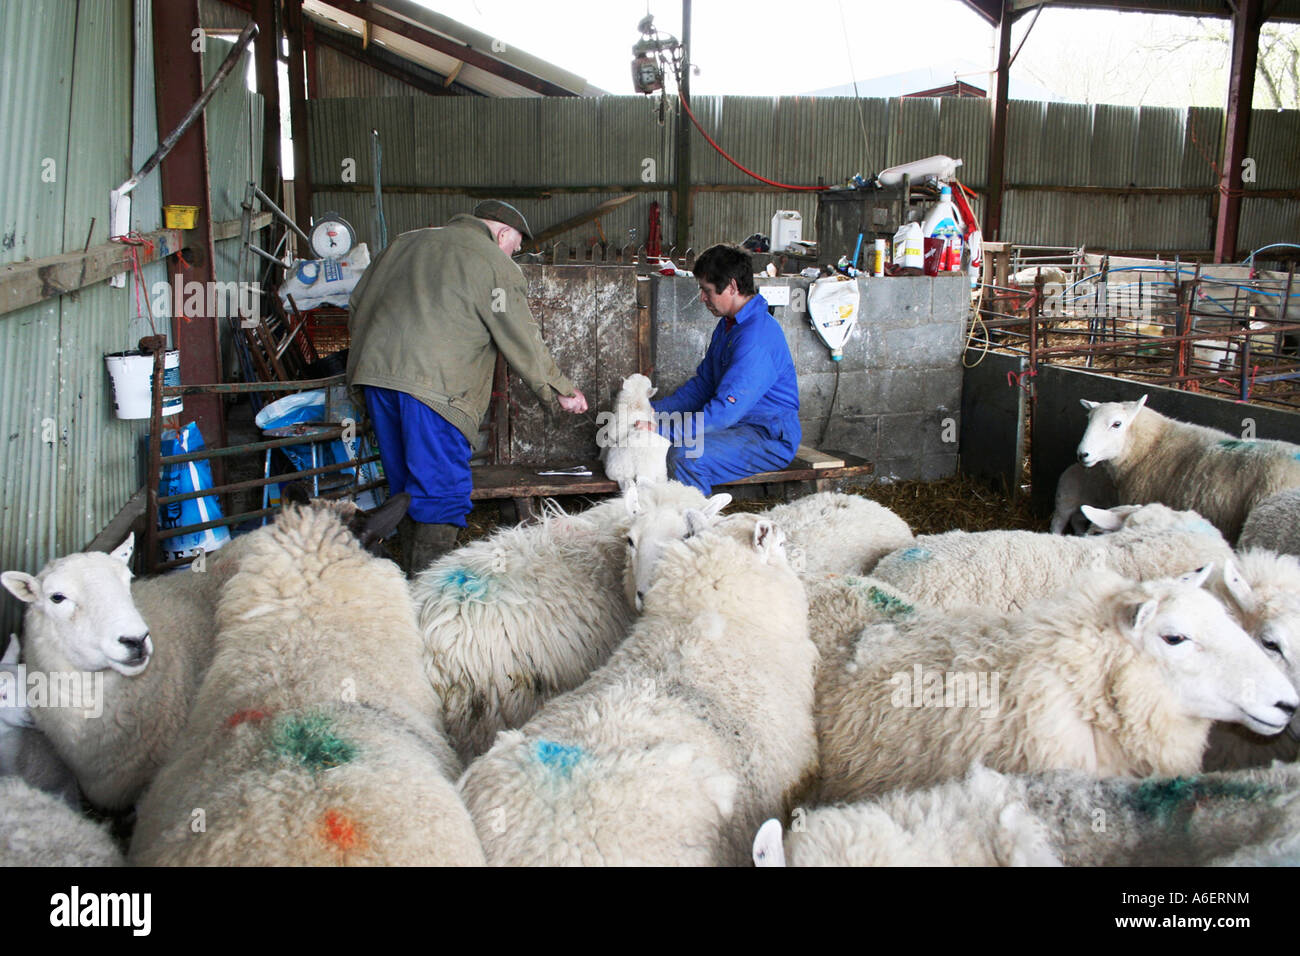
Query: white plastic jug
[{"x": 909, "y": 246}]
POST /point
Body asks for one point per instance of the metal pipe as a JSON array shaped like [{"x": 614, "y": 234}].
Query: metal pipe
[{"x": 280, "y": 213}]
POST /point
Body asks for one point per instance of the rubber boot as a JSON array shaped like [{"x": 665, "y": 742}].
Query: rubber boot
[{"x": 429, "y": 542}]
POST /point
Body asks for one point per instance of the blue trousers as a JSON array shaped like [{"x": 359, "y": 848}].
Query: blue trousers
[
  {"x": 736, "y": 452},
  {"x": 423, "y": 455}
]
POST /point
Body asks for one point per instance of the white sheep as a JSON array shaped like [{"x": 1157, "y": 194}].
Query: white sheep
[
  {"x": 1274, "y": 524},
  {"x": 1263, "y": 591},
  {"x": 1080, "y": 486},
  {"x": 39, "y": 829},
  {"x": 1003, "y": 570},
  {"x": 315, "y": 738},
  {"x": 24, "y": 750},
  {"x": 697, "y": 728},
  {"x": 1058, "y": 818},
  {"x": 511, "y": 620},
  {"x": 1185, "y": 466},
  {"x": 144, "y": 706},
  {"x": 628, "y": 452},
  {"x": 1110, "y": 676},
  {"x": 843, "y": 533}
]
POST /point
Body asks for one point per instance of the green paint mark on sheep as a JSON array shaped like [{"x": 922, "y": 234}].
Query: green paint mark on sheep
[
  {"x": 1167, "y": 798},
  {"x": 916, "y": 554},
  {"x": 892, "y": 606},
  {"x": 1237, "y": 444},
  {"x": 559, "y": 757},
  {"x": 464, "y": 583},
  {"x": 310, "y": 739}
]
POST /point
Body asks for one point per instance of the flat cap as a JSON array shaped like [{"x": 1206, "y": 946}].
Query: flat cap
[{"x": 503, "y": 212}]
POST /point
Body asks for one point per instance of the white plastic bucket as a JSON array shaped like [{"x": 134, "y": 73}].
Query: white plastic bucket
[{"x": 132, "y": 376}]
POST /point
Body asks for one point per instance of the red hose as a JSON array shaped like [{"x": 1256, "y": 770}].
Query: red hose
[{"x": 747, "y": 172}]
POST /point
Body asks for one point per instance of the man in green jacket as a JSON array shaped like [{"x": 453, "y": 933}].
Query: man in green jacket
[{"x": 428, "y": 318}]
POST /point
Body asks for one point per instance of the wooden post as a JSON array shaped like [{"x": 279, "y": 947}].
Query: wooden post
[
  {"x": 684, "y": 137},
  {"x": 998, "y": 133},
  {"x": 1246, "y": 21}
]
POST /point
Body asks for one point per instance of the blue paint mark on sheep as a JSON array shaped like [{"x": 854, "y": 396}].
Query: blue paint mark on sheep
[
  {"x": 1201, "y": 526},
  {"x": 464, "y": 583},
  {"x": 916, "y": 554},
  {"x": 887, "y": 603},
  {"x": 559, "y": 757},
  {"x": 1166, "y": 799}
]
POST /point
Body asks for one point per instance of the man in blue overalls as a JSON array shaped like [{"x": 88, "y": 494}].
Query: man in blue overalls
[{"x": 739, "y": 415}]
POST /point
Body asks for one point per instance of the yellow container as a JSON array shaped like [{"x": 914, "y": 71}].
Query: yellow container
[{"x": 180, "y": 217}]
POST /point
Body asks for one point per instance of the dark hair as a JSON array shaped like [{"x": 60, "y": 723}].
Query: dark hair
[{"x": 719, "y": 264}]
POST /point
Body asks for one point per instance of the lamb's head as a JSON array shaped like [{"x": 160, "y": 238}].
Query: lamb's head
[
  {"x": 1213, "y": 667},
  {"x": 1263, "y": 591},
  {"x": 12, "y": 713},
  {"x": 652, "y": 527},
  {"x": 1146, "y": 520},
  {"x": 80, "y": 607},
  {"x": 1108, "y": 425},
  {"x": 636, "y": 390}
]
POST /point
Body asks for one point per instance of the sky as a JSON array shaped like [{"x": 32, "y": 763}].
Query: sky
[{"x": 766, "y": 47}]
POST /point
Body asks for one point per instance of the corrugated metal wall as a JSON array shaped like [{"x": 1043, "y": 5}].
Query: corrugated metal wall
[
  {"x": 66, "y": 92},
  {"x": 609, "y": 141}
]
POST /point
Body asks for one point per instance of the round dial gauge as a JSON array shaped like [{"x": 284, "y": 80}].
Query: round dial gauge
[{"x": 332, "y": 237}]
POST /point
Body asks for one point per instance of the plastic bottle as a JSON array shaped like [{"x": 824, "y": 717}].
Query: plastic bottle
[
  {"x": 944, "y": 222},
  {"x": 940, "y": 167},
  {"x": 908, "y": 245}
]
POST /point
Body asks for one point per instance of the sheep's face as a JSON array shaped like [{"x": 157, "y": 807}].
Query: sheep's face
[
  {"x": 1146, "y": 519},
  {"x": 1264, "y": 593},
  {"x": 83, "y": 609},
  {"x": 1108, "y": 425},
  {"x": 653, "y": 529},
  {"x": 1214, "y": 668}
]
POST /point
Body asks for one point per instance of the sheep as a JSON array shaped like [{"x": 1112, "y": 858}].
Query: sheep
[
  {"x": 145, "y": 707},
  {"x": 1154, "y": 458},
  {"x": 24, "y": 750},
  {"x": 1263, "y": 591},
  {"x": 698, "y": 727},
  {"x": 1003, "y": 570},
  {"x": 315, "y": 737},
  {"x": 847, "y": 534},
  {"x": 1110, "y": 676},
  {"x": 1274, "y": 524},
  {"x": 1065, "y": 817},
  {"x": 630, "y": 453},
  {"x": 1079, "y": 486},
  {"x": 512, "y": 620},
  {"x": 38, "y": 829}
]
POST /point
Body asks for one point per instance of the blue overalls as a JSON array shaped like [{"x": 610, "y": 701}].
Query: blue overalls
[{"x": 747, "y": 396}]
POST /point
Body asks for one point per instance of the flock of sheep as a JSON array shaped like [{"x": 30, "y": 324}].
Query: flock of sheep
[{"x": 655, "y": 681}]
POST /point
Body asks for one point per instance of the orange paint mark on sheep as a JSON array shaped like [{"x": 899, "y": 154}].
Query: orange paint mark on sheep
[
  {"x": 247, "y": 716},
  {"x": 340, "y": 830}
]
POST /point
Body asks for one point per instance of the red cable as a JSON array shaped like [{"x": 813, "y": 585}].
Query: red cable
[{"x": 747, "y": 172}]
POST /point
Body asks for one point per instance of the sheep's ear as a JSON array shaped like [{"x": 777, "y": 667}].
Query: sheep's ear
[
  {"x": 768, "y": 849},
  {"x": 651, "y": 392},
  {"x": 22, "y": 586},
  {"x": 1142, "y": 614},
  {"x": 716, "y": 503},
  {"x": 1237, "y": 585},
  {"x": 696, "y": 521},
  {"x": 1140, "y": 402},
  {"x": 632, "y": 500},
  {"x": 1198, "y": 577},
  {"x": 379, "y": 524},
  {"x": 124, "y": 550},
  {"x": 1102, "y": 518},
  {"x": 12, "y": 651},
  {"x": 1087, "y": 404}
]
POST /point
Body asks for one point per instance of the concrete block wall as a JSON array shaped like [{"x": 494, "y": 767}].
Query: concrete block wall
[{"x": 900, "y": 378}]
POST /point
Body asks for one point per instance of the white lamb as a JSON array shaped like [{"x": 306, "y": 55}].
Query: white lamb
[
  {"x": 1110, "y": 676},
  {"x": 315, "y": 738},
  {"x": 512, "y": 620},
  {"x": 39, "y": 829},
  {"x": 1004, "y": 570},
  {"x": 846, "y": 534},
  {"x": 1154, "y": 458},
  {"x": 1066, "y": 818},
  {"x": 144, "y": 704},
  {"x": 1080, "y": 486},
  {"x": 697, "y": 728},
  {"x": 1263, "y": 591},
  {"x": 1274, "y": 524},
  {"x": 630, "y": 453}
]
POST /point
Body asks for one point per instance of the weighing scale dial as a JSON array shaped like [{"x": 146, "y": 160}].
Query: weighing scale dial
[{"x": 332, "y": 237}]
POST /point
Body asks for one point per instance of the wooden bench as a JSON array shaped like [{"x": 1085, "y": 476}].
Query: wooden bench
[{"x": 522, "y": 485}]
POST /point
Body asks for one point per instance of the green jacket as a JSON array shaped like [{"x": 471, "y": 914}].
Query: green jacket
[{"x": 429, "y": 315}]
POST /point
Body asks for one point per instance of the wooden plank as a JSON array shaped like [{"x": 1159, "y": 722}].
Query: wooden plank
[
  {"x": 816, "y": 459},
  {"x": 26, "y": 283},
  {"x": 573, "y": 222},
  {"x": 229, "y": 228}
]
